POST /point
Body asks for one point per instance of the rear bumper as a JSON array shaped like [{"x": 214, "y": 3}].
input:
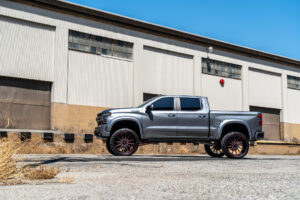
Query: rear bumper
[
  {"x": 100, "y": 131},
  {"x": 259, "y": 135}
]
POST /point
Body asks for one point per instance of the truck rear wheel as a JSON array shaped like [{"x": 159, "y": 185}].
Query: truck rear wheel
[
  {"x": 213, "y": 150},
  {"x": 124, "y": 142},
  {"x": 235, "y": 145}
]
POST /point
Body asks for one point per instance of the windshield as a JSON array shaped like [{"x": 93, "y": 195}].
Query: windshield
[{"x": 142, "y": 105}]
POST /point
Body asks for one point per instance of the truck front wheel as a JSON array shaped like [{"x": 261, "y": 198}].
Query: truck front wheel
[
  {"x": 235, "y": 145},
  {"x": 108, "y": 147},
  {"x": 124, "y": 142},
  {"x": 213, "y": 150}
]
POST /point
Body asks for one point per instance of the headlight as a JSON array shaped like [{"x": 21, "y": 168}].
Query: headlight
[{"x": 107, "y": 114}]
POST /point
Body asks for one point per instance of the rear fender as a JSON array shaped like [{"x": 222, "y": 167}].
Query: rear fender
[{"x": 227, "y": 122}]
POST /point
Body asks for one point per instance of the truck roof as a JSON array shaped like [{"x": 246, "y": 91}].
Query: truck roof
[{"x": 181, "y": 96}]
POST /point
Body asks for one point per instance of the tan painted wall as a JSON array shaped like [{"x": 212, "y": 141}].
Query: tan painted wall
[
  {"x": 290, "y": 132},
  {"x": 74, "y": 118}
]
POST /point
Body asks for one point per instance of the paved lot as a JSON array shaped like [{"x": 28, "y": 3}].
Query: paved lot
[{"x": 163, "y": 177}]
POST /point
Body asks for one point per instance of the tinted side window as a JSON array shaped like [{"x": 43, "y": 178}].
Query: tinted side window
[
  {"x": 190, "y": 103},
  {"x": 164, "y": 104}
]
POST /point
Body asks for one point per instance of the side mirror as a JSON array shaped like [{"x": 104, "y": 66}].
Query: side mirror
[{"x": 149, "y": 108}]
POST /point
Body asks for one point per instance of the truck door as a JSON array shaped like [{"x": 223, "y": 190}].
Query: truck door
[
  {"x": 161, "y": 121},
  {"x": 193, "y": 119}
]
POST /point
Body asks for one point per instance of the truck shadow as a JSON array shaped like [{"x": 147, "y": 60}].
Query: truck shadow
[{"x": 108, "y": 159}]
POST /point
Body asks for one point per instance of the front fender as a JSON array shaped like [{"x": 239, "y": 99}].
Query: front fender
[
  {"x": 115, "y": 120},
  {"x": 227, "y": 122}
]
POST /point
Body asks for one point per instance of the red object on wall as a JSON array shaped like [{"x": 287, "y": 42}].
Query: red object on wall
[{"x": 222, "y": 82}]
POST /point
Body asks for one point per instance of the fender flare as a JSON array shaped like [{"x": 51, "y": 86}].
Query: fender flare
[
  {"x": 118, "y": 119},
  {"x": 227, "y": 122}
]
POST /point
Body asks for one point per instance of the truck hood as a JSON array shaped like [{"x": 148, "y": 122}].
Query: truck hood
[{"x": 120, "y": 110}]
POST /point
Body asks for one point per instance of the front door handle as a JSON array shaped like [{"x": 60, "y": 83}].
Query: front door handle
[
  {"x": 202, "y": 116},
  {"x": 171, "y": 115}
]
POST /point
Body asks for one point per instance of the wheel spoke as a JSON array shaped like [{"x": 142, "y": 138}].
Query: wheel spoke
[
  {"x": 215, "y": 150},
  {"x": 123, "y": 135},
  {"x": 236, "y": 145},
  {"x": 125, "y": 142}
]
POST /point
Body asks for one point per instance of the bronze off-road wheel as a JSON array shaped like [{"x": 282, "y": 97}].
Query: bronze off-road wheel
[
  {"x": 213, "y": 150},
  {"x": 124, "y": 142},
  {"x": 235, "y": 145}
]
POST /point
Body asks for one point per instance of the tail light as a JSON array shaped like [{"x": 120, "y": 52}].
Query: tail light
[{"x": 260, "y": 119}]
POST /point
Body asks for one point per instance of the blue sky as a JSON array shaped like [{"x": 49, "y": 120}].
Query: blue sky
[{"x": 268, "y": 25}]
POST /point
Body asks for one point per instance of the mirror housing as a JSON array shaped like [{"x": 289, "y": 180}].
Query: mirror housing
[{"x": 149, "y": 108}]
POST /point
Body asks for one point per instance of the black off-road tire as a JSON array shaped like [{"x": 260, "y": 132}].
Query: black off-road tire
[
  {"x": 124, "y": 142},
  {"x": 108, "y": 147},
  {"x": 213, "y": 151},
  {"x": 235, "y": 145}
]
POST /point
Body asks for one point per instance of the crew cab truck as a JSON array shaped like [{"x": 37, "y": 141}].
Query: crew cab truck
[{"x": 179, "y": 119}]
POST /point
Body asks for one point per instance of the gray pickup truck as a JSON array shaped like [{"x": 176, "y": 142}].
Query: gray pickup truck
[{"x": 179, "y": 119}]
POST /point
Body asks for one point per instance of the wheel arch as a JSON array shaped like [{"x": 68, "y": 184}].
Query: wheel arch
[
  {"x": 230, "y": 126},
  {"x": 126, "y": 122}
]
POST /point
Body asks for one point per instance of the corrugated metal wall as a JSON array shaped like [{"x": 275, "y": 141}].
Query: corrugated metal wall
[
  {"x": 24, "y": 104},
  {"x": 99, "y": 81},
  {"x": 27, "y": 49},
  {"x": 264, "y": 89},
  {"x": 166, "y": 72}
]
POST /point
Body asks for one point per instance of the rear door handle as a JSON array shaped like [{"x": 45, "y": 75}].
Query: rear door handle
[
  {"x": 202, "y": 116},
  {"x": 171, "y": 115}
]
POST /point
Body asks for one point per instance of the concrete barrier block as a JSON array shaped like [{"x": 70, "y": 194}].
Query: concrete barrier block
[
  {"x": 25, "y": 136},
  {"x": 88, "y": 138},
  {"x": 69, "y": 137},
  {"x": 48, "y": 137},
  {"x": 3, "y": 134}
]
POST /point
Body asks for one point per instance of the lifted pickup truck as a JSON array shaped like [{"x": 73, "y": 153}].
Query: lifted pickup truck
[{"x": 179, "y": 119}]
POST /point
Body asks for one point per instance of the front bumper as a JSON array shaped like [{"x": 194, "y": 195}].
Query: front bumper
[
  {"x": 259, "y": 135},
  {"x": 100, "y": 131}
]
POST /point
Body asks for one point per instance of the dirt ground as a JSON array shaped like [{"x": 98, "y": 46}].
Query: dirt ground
[{"x": 162, "y": 177}]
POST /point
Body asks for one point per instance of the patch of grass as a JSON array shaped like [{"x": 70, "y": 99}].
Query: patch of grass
[
  {"x": 10, "y": 172},
  {"x": 40, "y": 172},
  {"x": 65, "y": 180},
  {"x": 8, "y": 168},
  {"x": 40, "y": 147}
]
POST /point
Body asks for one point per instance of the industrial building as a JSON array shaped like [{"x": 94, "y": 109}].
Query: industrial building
[{"x": 61, "y": 64}]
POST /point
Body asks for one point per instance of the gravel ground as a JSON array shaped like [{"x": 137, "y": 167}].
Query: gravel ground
[{"x": 163, "y": 177}]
